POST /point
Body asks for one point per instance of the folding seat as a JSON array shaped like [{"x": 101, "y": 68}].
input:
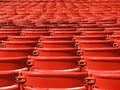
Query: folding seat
[
  {"x": 18, "y": 44},
  {"x": 90, "y": 29},
  {"x": 110, "y": 25},
  {"x": 50, "y": 10},
  {"x": 13, "y": 63},
  {"x": 62, "y": 29},
  {"x": 97, "y": 33},
  {"x": 100, "y": 52},
  {"x": 102, "y": 63},
  {"x": 55, "y": 52},
  {"x": 71, "y": 10},
  {"x": 45, "y": 23},
  {"x": 82, "y": 38},
  {"x": 56, "y": 44},
  {"x": 85, "y": 10},
  {"x": 17, "y": 17},
  {"x": 94, "y": 43},
  {"x": 22, "y": 22},
  {"x": 86, "y": 15},
  {"x": 20, "y": 11},
  {"x": 98, "y": 14},
  {"x": 70, "y": 5},
  {"x": 32, "y": 17},
  {"x": 112, "y": 29},
  {"x": 60, "y": 5},
  {"x": 65, "y": 33},
  {"x": 11, "y": 27},
  {"x": 93, "y": 19},
  {"x": 50, "y": 4},
  {"x": 55, "y": 38},
  {"x": 88, "y": 25},
  {"x": 35, "y": 29},
  {"x": 10, "y": 33},
  {"x": 37, "y": 11},
  {"x": 10, "y": 30},
  {"x": 46, "y": 17},
  {"x": 54, "y": 63},
  {"x": 64, "y": 80},
  {"x": 30, "y": 33},
  {"x": 23, "y": 38},
  {"x": 60, "y": 17},
  {"x": 15, "y": 52},
  {"x": 106, "y": 22},
  {"x": 106, "y": 80},
  {"x": 8, "y": 78},
  {"x": 68, "y": 25},
  {"x": 75, "y": 19},
  {"x": 109, "y": 18}
]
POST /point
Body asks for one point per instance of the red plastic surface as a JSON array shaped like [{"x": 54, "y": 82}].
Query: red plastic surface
[
  {"x": 7, "y": 78},
  {"x": 55, "y": 63},
  {"x": 56, "y": 52},
  {"x": 102, "y": 63},
  {"x": 12, "y": 63},
  {"x": 57, "y": 44},
  {"x": 107, "y": 80},
  {"x": 63, "y": 80}
]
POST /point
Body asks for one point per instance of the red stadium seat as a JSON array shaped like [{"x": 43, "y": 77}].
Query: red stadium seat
[
  {"x": 63, "y": 45},
  {"x": 110, "y": 25},
  {"x": 112, "y": 29},
  {"x": 10, "y": 33},
  {"x": 65, "y": 33},
  {"x": 12, "y": 63},
  {"x": 102, "y": 63},
  {"x": 96, "y": 33},
  {"x": 68, "y": 25},
  {"x": 56, "y": 38},
  {"x": 101, "y": 52},
  {"x": 88, "y": 25},
  {"x": 56, "y": 44},
  {"x": 35, "y": 29},
  {"x": 94, "y": 43},
  {"x": 15, "y": 52},
  {"x": 63, "y": 80},
  {"x": 23, "y": 38},
  {"x": 62, "y": 29},
  {"x": 55, "y": 52},
  {"x": 107, "y": 80},
  {"x": 9, "y": 29},
  {"x": 82, "y": 38},
  {"x": 14, "y": 27},
  {"x": 90, "y": 29},
  {"x": 18, "y": 44},
  {"x": 54, "y": 63},
  {"x": 30, "y": 33},
  {"x": 8, "y": 78}
]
